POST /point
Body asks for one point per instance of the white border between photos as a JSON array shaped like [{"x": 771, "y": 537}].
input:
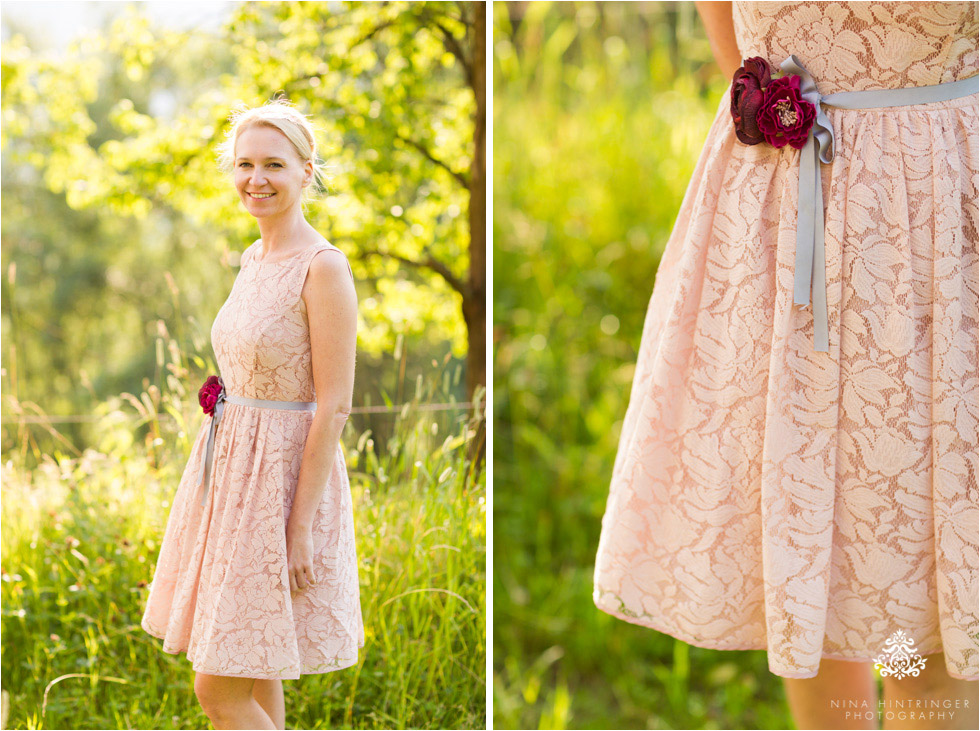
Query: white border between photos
[{"x": 488, "y": 611}]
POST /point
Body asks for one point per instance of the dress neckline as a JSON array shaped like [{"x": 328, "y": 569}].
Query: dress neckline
[{"x": 285, "y": 258}]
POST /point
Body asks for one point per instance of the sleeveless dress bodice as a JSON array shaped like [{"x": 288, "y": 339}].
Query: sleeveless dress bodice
[{"x": 261, "y": 334}]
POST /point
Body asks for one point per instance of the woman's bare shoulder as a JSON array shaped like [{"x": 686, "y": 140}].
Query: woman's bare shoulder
[{"x": 329, "y": 271}]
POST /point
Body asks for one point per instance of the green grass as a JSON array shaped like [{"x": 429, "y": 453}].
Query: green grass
[{"x": 81, "y": 533}]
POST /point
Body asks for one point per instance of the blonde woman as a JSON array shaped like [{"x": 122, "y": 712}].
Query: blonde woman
[{"x": 257, "y": 574}]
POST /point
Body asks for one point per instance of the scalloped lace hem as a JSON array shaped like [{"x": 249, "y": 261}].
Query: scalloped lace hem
[{"x": 339, "y": 663}]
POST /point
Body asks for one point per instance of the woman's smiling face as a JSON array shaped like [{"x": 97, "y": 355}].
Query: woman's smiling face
[{"x": 269, "y": 173}]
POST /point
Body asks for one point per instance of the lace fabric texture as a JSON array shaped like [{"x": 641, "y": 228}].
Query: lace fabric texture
[
  {"x": 220, "y": 591},
  {"x": 767, "y": 496},
  {"x": 853, "y": 46}
]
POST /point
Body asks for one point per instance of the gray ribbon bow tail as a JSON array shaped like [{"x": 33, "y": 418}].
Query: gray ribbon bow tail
[
  {"x": 204, "y": 476},
  {"x": 810, "y": 252}
]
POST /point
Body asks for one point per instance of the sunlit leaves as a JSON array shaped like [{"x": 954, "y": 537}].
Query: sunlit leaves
[{"x": 384, "y": 82}]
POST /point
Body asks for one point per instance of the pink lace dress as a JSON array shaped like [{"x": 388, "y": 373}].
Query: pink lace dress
[
  {"x": 221, "y": 592},
  {"x": 813, "y": 504}
]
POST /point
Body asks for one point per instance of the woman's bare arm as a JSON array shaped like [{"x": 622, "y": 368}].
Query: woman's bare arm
[
  {"x": 331, "y": 308},
  {"x": 717, "y": 19}
]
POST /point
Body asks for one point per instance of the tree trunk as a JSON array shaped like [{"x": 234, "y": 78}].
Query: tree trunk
[{"x": 475, "y": 304}]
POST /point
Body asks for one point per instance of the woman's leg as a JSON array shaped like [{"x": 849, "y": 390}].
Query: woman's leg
[
  {"x": 825, "y": 701},
  {"x": 955, "y": 699},
  {"x": 229, "y": 702},
  {"x": 269, "y": 695}
]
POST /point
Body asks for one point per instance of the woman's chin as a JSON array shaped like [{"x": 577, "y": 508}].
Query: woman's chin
[{"x": 258, "y": 211}]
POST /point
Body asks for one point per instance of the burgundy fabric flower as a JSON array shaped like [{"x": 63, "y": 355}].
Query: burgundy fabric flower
[
  {"x": 748, "y": 95},
  {"x": 785, "y": 116},
  {"x": 208, "y": 395}
]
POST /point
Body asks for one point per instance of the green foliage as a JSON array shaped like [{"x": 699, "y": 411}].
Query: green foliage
[
  {"x": 598, "y": 124},
  {"x": 79, "y": 544},
  {"x": 112, "y": 195}
]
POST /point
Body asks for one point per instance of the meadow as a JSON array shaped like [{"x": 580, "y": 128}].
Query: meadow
[
  {"x": 81, "y": 534},
  {"x": 600, "y": 112}
]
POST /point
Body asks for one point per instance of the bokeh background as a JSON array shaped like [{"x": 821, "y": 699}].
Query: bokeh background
[
  {"x": 120, "y": 241},
  {"x": 600, "y": 111}
]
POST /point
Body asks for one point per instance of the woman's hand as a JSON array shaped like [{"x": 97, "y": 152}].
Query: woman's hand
[{"x": 299, "y": 558}]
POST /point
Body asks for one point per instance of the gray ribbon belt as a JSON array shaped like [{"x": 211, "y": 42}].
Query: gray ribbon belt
[
  {"x": 810, "y": 256},
  {"x": 204, "y": 476}
]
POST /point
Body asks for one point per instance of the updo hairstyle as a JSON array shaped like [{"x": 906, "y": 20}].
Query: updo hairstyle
[{"x": 281, "y": 115}]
